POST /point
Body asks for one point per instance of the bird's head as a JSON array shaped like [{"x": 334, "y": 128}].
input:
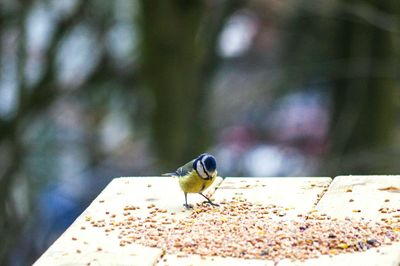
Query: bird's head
[{"x": 205, "y": 166}]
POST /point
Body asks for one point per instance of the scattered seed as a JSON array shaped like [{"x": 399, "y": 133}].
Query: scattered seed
[
  {"x": 390, "y": 188},
  {"x": 242, "y": 229},
  {"x": 373, "y": 242}
]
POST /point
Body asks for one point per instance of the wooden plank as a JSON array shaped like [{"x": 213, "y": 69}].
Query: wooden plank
[
  {"x": 368, "y": 197},
  {"x": 375, "y": 197},
  {"x": 84, "y": 243},
  {"x": 360, "y": 197},
  {"x": 294, "y": 195},
  {"x": 383, "y": 256},
  {"x": 194, "y": 260}
]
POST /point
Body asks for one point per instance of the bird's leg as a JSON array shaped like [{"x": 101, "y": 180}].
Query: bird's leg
[
  {"x": 208, "y": 200},
  {"x": 187, "y": 206}
]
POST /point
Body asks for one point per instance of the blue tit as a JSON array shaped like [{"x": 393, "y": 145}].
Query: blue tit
[{"x": 196, "y": 176}]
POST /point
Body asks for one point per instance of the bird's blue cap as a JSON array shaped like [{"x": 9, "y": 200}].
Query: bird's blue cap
[
  {"x": 207, "y": 161},
  {"x": 210, "y": 163}
]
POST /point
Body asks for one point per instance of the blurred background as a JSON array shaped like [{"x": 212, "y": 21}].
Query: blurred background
[{"x": 94, "y": 89}]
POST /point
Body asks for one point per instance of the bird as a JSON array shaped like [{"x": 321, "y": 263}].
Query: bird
[{"x": 196, "y": 176}]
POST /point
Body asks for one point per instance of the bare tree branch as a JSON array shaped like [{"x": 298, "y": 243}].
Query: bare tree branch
[
  {"x": 39, "y": 96},
  {"x": 32, "y": 101}
]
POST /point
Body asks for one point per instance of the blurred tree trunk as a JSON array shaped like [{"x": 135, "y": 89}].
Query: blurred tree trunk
[
  {"x": 177, "y": 59},
  {"x": 364, "y": 93},
  {"x": 170, "y": 64}
]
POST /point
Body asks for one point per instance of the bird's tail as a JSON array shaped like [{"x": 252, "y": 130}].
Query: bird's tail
[{"x": 170, "y": 174}]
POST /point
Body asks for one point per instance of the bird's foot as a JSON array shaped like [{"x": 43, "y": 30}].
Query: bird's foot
[
  {"x": 188, "y": 206},
  {"x": 211, "y": 203}
]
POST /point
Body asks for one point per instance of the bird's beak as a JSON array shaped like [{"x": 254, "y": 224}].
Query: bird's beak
[{"x": 210, "y": 175}]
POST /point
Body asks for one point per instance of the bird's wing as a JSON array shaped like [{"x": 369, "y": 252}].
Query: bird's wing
[
  {"x": 181, "y": 171},
  {"x": 184, "y": 170}
]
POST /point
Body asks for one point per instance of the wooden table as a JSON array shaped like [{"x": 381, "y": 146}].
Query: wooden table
[{"x": 84, "y": 245}]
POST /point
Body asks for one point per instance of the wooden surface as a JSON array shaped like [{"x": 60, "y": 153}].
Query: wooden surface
[
  {"x": 368, "y": 197},
  {"x": 359, "y": 197}
]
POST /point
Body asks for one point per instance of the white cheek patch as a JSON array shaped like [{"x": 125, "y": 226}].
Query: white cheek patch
[{"x": 200, "y": 171}]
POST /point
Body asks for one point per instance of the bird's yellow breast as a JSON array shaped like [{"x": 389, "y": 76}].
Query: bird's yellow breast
[{"x": 193, "y": 183}]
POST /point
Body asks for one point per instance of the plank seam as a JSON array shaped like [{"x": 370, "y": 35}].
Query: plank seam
[{"x": 322, "y": 194}]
